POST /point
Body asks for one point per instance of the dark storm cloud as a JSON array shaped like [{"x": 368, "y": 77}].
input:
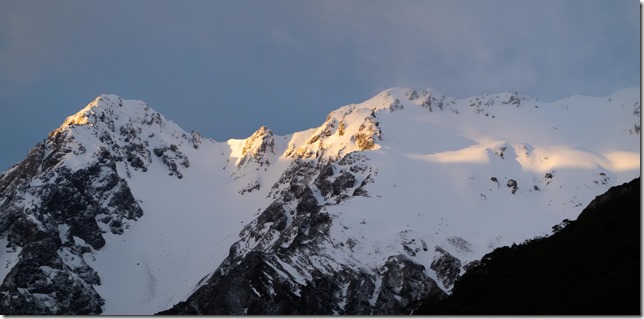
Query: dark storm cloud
[
  {"x": 545, "y": 48},
  {"x": 227, "y": 67}
]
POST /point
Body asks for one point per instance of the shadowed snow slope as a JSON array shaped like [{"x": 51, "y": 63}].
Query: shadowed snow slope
[{"x": 405, "y": 179}]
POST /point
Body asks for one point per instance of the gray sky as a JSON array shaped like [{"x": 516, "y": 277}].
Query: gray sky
[{"x": 225, "y": 68}]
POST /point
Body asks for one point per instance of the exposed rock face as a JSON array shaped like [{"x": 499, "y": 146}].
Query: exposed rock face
[
  {"x": 345, "y": 130},
  {"x": 447, "y": 267},
  {"x": 432, "y": 100},
  {"x": 403, "y": 283},
  {"x": 173, "y": 159},
  {"x": 52, "y": 214},
  {"x": 368, "y": 133},
  {"x": 282, "y": 263},
  {"x": 256, "y": 155},
  {"x": 59, "y": 201},
  {"x": 42, "y": 283},
  {"x": 512, "y": 184},
  {"x": 257, "y": 146}
]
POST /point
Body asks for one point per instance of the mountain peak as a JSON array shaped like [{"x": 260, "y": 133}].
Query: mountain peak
[
  {"x": 256, "y": 146},
  {"x": 130, "y": 130},
  {"x": 84, "y": 116},
  {"x": 111, "y": 112}
]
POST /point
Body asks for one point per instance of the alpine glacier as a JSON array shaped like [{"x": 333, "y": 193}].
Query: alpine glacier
[{"x": 120, "y": 211}]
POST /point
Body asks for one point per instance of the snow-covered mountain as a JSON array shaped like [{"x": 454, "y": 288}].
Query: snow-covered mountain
[{"x": 120, "y": 211}]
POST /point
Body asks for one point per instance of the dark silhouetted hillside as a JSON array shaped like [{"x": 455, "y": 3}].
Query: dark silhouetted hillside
[{"x": 590, "y": 266}]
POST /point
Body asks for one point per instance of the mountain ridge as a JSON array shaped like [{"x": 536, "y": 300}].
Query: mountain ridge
[{"x": 317, "y": 198}]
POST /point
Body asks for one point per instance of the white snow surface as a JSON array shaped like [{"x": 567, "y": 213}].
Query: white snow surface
[{"x": 432, "y": 183}]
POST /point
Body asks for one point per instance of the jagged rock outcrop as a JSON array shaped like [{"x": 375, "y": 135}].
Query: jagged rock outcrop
[
  {"x": 256, "y": 148},
  {"x": 173, "y": 159},
  {"x": 403, "y": 283},
  {"x": 446, "y": 266}
]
